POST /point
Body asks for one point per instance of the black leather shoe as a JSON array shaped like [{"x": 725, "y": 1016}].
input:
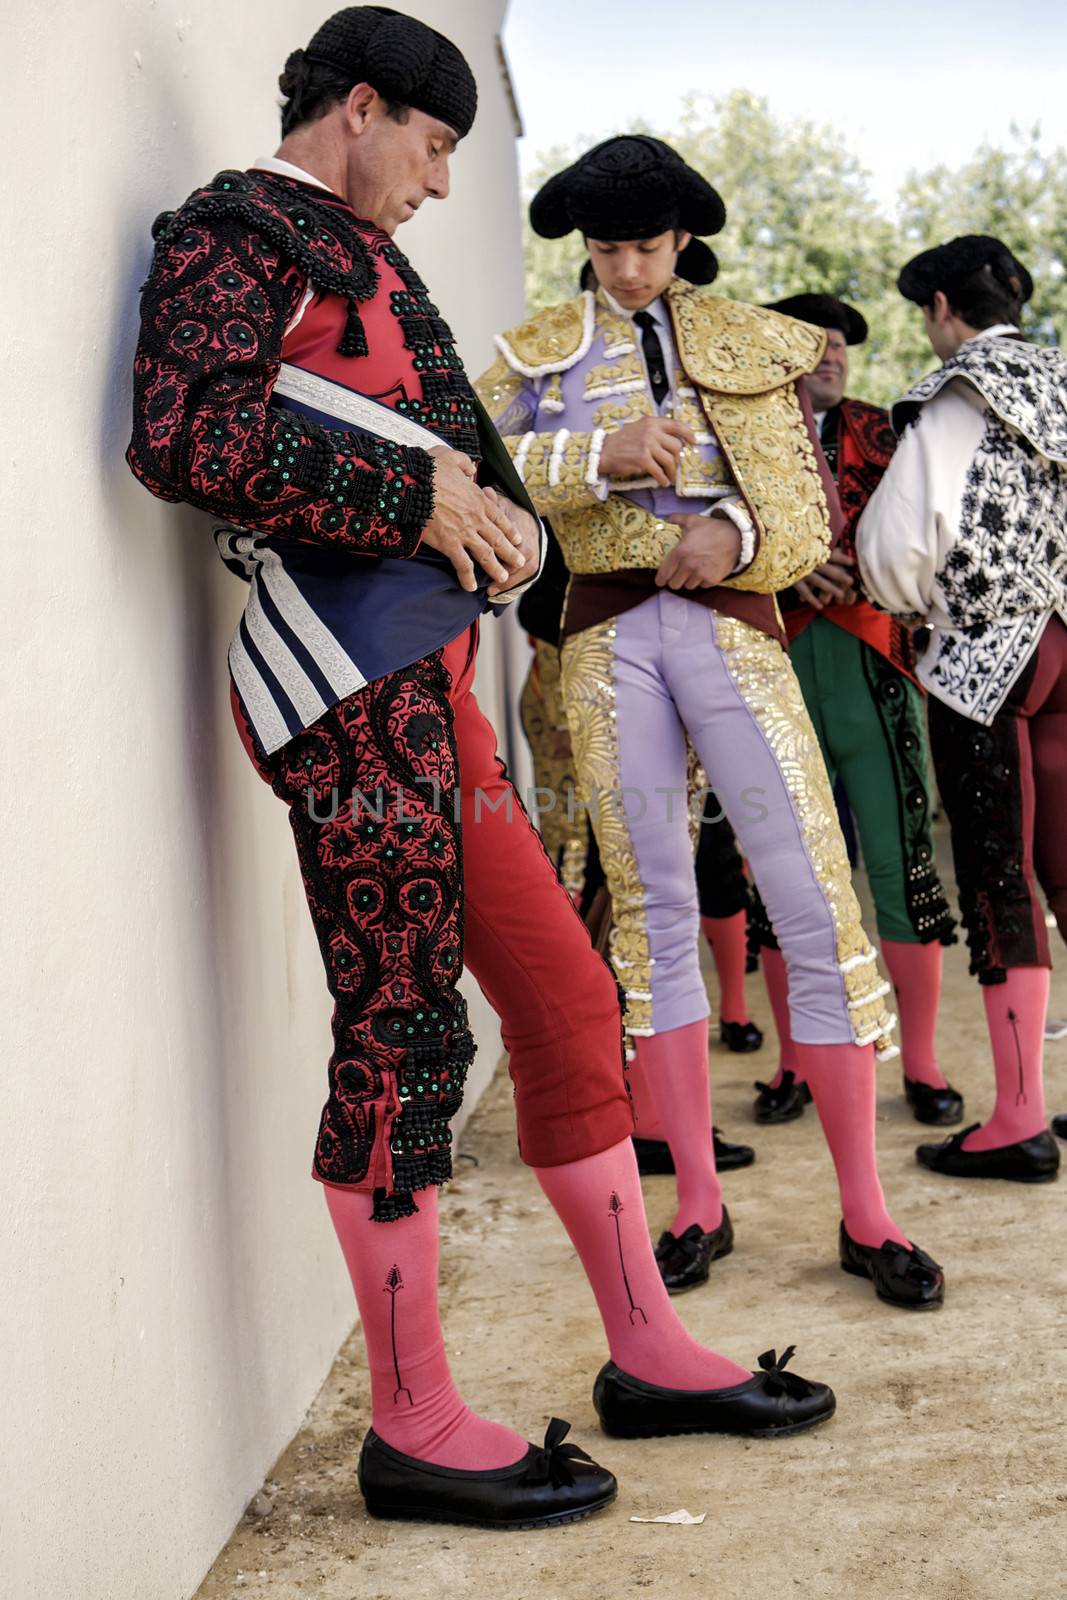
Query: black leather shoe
[
  {"x": 939, "y": 1108},
  {"x": 551, "y": 1484},
  {"x": 654, "y": 1159},
  {"x": 784, "y": 1103},
  {"x": 1059, "y": 1125},
  {"x": 740, "y": 1037},
  {"x": 729, "y": 1157},
  {"x": 902, "y": 1276},
  {"x": 683, "y": 1262},
  {"x": 771, "y": 1403},
  {"x": 1035, "y": 1160}
]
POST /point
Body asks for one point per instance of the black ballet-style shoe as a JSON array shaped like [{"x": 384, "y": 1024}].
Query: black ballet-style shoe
[
  {"x": 551, "y": 1484},
  {"x": 772, "y": 1403},
  {"x": 1059, "y": 1125},
  {"x": 684, "y": 1261},
  {"x": 938, "y": 1108},
  {"x": 654, "y": 1159},
  {"x": 903, "y": 1275},
  {"x": 783, "y": 1102},
  {"x": 740, "y": 1038},
  {"x": 730, "y": 1157},
  {"x": 1034, "y": 1160}
]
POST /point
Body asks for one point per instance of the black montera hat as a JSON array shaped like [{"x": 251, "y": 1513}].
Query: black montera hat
[
  {"x": 948, "y": 267},
  {"x": 406, "y": 61},
  {"x": 632, "y": 187},
  {"x": 825, "y": 311}
]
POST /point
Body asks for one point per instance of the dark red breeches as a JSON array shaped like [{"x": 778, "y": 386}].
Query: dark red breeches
[{"x": 416, "y": 853}]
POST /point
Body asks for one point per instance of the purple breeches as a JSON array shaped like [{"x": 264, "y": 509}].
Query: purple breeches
[{"x": 635, "y": 687}]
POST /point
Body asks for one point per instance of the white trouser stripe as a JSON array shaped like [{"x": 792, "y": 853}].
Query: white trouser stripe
[{"x": 281, "y": 660}]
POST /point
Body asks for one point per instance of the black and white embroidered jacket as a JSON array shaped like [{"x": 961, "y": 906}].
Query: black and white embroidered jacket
[{"x": 968, "y": 528}]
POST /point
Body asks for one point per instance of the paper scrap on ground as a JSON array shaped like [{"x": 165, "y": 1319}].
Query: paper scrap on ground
[
  {"x": 1055, "y": 1028},
  {"x": 683, "y": 1517}
]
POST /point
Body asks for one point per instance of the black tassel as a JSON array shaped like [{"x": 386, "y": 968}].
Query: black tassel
[
  {"x": 354, "y": 338},
  {"x": 391, "y": 1207}
]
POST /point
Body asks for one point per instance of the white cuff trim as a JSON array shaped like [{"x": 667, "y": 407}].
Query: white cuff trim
[
  {"x": 521, "y": 453},
  {"x": 555, "y": 460},
  {"x": 744, "y": 525}
]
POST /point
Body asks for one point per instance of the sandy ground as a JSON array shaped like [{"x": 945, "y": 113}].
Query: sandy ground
[{"x": 943, "y": 1475}]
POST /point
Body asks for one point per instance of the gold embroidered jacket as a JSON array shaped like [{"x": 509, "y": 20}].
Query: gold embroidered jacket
[{"x": 573, "y": 372}]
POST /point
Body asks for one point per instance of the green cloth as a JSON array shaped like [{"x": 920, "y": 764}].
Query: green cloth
[{"x": 870, "y": 724}]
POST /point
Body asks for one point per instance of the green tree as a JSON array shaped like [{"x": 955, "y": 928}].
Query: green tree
[{"x": 800, "y": 216}]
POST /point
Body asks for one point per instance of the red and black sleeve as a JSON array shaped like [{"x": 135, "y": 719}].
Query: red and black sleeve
[{"x": 213, "y": 315}]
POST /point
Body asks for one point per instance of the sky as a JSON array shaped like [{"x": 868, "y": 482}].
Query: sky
[{"x": 909, "y": 83}]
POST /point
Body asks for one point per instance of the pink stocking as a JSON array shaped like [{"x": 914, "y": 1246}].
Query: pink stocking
[
  {"x": 675, "y": 1065},
  {"x": 646, "y": 1117},
  {"x": 416, "y": 1407},
  {"x": 599, "y": 1202},
  {"x": 1015, "y": 1012},
  {"x": 915, "y": 970},
  {"x": 728, "y": 938},
  {"x": 777, "y": 981},
  {"x": 842, "y": 1083}
]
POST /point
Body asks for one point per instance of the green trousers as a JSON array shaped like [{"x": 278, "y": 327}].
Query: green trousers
[{"x": 869, "y": 720}]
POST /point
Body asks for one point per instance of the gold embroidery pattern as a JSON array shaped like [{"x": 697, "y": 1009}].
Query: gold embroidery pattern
[
  {"x": 499, "y": 389},
  {"x": 615, "y": 377},
  {"x": 616, "y": 331},
  {"x": 767, "y": 444},
  {"x": 768, "y": 685},
  {"x": 543, "y": 461},
  {"x": 737, "y": 349},
  {"x": 745, "y": 362},
  {"x": 589, "y": 694},
  {"x": 544, "y": 722},
  {"x": 552, "y": 396},
  {"x": 550, "y": 338},
  {"x": 611, "y": 414},
  {"x": 611, "y": 535}
]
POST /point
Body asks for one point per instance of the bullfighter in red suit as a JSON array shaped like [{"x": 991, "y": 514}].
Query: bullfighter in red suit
[{"x": 295, "y": 380}]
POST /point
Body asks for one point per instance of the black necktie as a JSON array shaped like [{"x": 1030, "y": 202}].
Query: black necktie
[{"x": 657, "y": 367}]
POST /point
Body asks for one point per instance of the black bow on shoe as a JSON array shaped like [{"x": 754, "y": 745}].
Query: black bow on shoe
[
  {"x": 908, "y": 1255},
  {"x": 551, "y": 1464},
  {"x": 778, "y": 1380}
]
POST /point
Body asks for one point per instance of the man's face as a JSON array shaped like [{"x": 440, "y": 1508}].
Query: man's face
[
  {"x": 636, "y": 272},
  {"x": 826, "y": 385},
  {"x": 394, "y": 166}
]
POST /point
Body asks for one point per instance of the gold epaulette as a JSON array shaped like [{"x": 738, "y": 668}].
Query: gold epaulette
[
  {"x": 731, "y": 348},
  {"x": 551, "y": 340}
]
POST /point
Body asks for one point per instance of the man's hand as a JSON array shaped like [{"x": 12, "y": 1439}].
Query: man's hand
[
  {"x": 529, "y": 532},
  {"x": 706, "y": 553},
  {"x": 467, "y": 523},
  {"x": 834, "y": 583},
  {"x": 646, "y": 449}
]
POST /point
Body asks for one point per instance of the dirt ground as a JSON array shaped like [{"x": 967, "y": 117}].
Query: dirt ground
[{"x": 943, "y": 1475}]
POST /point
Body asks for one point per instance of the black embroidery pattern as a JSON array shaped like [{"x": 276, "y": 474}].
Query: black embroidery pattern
[
  {"x": 393, "y": 1285},
  {"x": 229, "y": 272},
  {"x": 1008, "y": 568},
  {"x": 978, "y": 775},
  {"x": 371, "y": 789},
  {"x": 901, "y": 720},
  {"x": 615, "y": 1210}
]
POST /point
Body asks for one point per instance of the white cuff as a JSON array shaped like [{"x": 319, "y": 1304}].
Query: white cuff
[
  {"x": 745, "y": 526},
  {"x": 594, "y": 481}
]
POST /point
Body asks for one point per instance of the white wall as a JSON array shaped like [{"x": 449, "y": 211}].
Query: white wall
[{"x": 172, "y": 1295}]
